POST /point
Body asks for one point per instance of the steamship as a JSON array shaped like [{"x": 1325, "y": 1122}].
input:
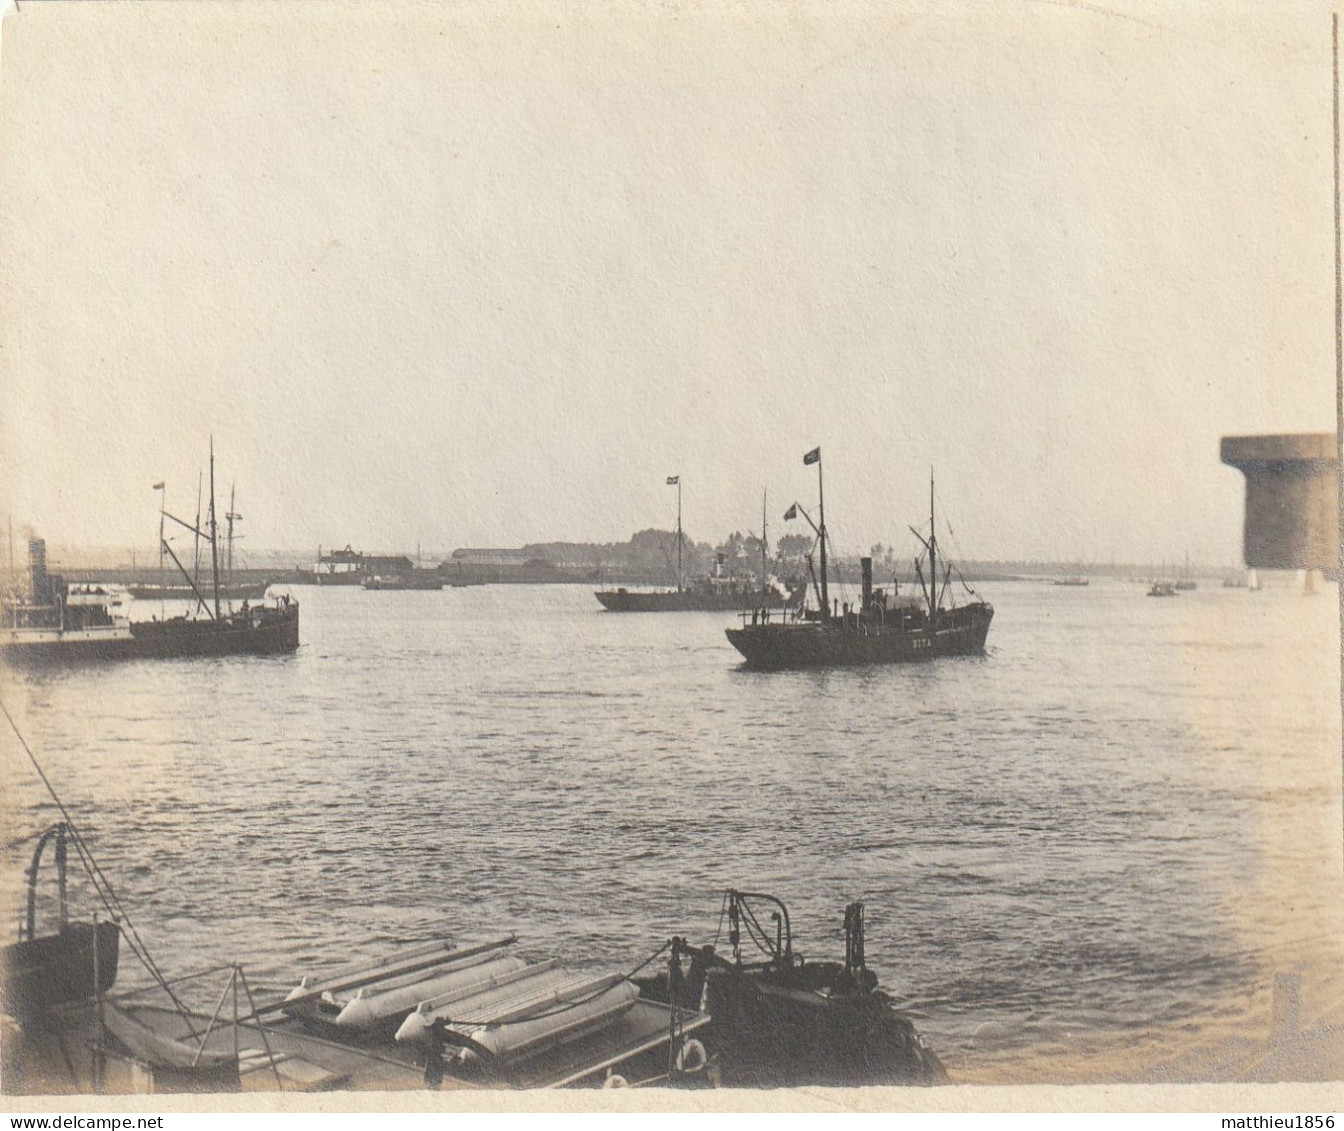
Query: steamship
[
  {"x": 883, "y": 629},
  {"x": 59, "y": 621}
]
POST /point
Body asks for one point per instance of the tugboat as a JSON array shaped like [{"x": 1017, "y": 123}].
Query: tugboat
[
  {"x": 718, "y": 592},
  {"x": 883, "y": 629},
  {"x": 61, "y": 622},
  {"x": 779, "y": 1021}
]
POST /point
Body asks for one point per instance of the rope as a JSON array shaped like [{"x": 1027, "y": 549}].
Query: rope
[
  {"x": 723, "y": 910},
  {"x": 957, "y": 553},
  {"x": 101, "y": 884}
]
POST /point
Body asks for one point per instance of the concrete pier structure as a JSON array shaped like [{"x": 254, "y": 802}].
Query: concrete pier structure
[{"x": 1292, "y": 499}]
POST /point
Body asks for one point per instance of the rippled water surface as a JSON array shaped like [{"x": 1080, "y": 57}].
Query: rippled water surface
[{"x": 1104, "y": 835}]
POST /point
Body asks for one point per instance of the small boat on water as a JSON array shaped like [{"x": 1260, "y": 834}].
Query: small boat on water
[
  {"x": 1075, "y": 582},
  {"x": 1163, "y": 589},
  {"x": 59, "y": 621},
  {"x": 779, "y": 1021},
  {"x": 882, "y": 629}
]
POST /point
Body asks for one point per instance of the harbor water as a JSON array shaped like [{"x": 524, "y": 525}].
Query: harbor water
[{"x": 1082, "y": 856}]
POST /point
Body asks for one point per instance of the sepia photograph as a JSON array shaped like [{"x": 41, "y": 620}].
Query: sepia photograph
[{"x": 686, "y": 546}]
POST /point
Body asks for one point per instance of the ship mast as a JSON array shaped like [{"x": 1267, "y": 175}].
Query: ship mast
[
  {"x": 764, "y": 542},
  {"x": 821, "y": 510},
  {"x": 196, "y": 547},
  {"x": 214, "y": 531},
  {"x": 230, "y": 516},
  {"x": 933, "y": 558},
  {"x": 676, "y": 480},
  {"x": 162, "y": 489}
]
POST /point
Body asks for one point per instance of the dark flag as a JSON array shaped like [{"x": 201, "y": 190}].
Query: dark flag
[
  {"x": 792, "y": 512},
  {"x": 814, "y": 456},
  {"x": 673, "y": 480}
]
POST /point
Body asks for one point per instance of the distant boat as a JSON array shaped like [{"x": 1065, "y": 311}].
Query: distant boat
[
  {"x": 416, "y": 579},
  {"x": 60, "y": 621},
  {"x": 229, "y": 589},
  {"x": 719, "y": 591},
  {"x": 237, "y": 591},
  {"x": 1163, "y": 589},
  {"x": 714, "y": 593},
  {"x": 1073, "y": 581},
  {"x": 882, "y": 629}
]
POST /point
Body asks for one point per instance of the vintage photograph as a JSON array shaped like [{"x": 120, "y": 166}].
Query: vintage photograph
[{"x": 687, "y": 546}]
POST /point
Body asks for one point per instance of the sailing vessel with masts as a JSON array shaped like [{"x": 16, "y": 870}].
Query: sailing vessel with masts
[
  {"x": 1186, "y": 582},
  {"x": 60, "y": 621},
  {"x": 229, "y": 589},
  {"x": 881, "y": 629},
  {"x": 719, "y": 591}
]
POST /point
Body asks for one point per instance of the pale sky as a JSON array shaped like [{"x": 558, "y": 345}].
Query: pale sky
[{"x": 470, "y": 276}]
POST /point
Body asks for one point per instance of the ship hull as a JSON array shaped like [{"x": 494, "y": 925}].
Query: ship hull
[
  {"x": 771, "y": 1036},
  {"x": 53, "y": 969},
  {"x": 234, "y": 635},
  {"x": 628, "y": 601},
  {"x": 961, "y": 632},
  {"x": 262, "y": 633},
  {"x": 47, "y": 646}
]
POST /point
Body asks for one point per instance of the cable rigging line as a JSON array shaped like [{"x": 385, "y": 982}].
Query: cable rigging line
[{"x": 100, "y": 882}]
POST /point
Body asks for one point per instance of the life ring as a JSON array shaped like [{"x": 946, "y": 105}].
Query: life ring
[
  {"x": 691, "y": 1057},
  {"x": 615, "y": 1081}
]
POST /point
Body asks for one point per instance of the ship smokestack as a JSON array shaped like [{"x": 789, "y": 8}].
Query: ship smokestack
[
  {"x": 37, "y": 571},
  {"x": 866, "y": 564}
]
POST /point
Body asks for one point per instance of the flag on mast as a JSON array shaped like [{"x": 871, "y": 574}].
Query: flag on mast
[
  {"x": 673, "y": 480},
  {"x": 792, "y": 512},
  {"x": 158, "y": 486},
  {"x": 814, "y": 456}
]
